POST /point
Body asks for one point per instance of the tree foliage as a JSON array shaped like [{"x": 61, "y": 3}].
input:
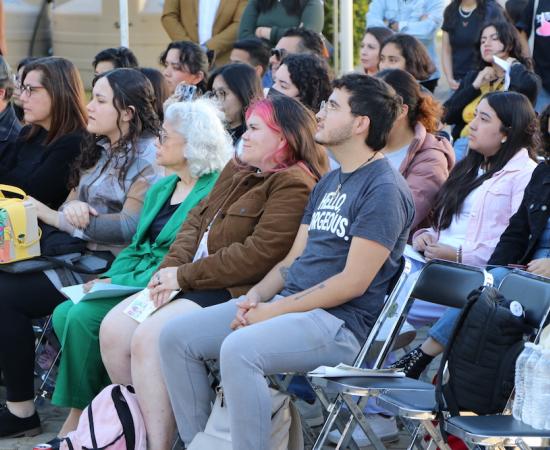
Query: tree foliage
[{"x": 360, "y": 8}]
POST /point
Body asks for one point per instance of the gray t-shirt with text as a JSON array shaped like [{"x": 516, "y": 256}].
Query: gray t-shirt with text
[{"x": 374, "y": 203}]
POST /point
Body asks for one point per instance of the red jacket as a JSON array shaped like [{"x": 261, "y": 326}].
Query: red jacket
[{"x": 426, "y": 167}]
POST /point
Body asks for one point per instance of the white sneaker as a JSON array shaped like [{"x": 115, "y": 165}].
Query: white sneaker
[{"x": 384, "y": 427}]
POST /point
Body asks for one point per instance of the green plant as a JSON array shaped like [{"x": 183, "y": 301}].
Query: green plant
[{"x": 360, "y": 8}]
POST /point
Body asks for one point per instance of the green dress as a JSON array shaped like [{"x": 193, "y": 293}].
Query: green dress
[{"x": 81, "y": 372}]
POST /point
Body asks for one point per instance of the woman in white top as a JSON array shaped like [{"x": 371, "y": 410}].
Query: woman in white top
[{"x": 474, "y": 206}]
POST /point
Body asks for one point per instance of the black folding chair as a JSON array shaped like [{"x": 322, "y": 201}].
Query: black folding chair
[
  {"x": 441, "y": 282},
  {"x": 533, "y": 292}
]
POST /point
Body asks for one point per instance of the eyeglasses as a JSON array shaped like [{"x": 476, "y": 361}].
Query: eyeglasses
[
  {"x": 28, "y": 89},
  {"x": 218, "y": 94},
  {"x": 327, "y": 106},
  {"x": 163, "y": 137},
  {"x": 279, "y": 53}
]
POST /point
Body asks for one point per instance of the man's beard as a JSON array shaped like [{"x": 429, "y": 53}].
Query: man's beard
[{"x": 337, "y": 137}]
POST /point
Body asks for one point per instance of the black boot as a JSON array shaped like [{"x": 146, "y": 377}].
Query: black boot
[
  {"x": 13, "y": 426},
  {"x": 413, "y": 363}
]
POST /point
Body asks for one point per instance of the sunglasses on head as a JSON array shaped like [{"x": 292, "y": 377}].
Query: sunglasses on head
[{"x": 279, "y": 53}]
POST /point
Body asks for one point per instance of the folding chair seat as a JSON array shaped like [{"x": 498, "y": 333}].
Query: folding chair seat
[
  {"x": 533, "y": 292},
  {"x": 439, "y": 282},
  {"x": 496, "y": 430}
]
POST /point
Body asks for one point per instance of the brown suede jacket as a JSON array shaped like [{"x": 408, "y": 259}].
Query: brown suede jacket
[{"x": 255, "y": 218}]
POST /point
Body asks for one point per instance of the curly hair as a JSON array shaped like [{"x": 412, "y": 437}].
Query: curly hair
[
  {"x": 423, "y": 108},
  {"x": 208, "y": 145},
  {"x": 131, "y": 89},
  {"x": 191, "y": 56},
  {"x": 417, "y": 60},
  {"x": 309, "y": 74}
]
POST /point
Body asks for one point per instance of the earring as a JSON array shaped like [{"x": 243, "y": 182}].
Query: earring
[{"x": 503, "y": 140}]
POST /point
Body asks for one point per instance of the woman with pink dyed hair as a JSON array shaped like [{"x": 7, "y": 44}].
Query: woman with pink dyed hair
[{"x": 227, "y": 244}]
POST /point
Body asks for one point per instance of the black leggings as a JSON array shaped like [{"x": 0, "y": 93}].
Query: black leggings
[{"x": 23, "y": 297}]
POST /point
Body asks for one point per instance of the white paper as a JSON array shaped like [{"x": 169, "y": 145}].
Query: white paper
[
  {"x": 411, "y": 253},
  {"x": 142, "y": 306},
  {"x": 99, "y": 290},
  {"x": 504, "y": 65},
  {"x": 343, "y": 370}
]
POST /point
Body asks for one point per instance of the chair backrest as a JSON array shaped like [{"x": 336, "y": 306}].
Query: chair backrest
[
  {"x": 532, "y": 291},
  {"x": 394, "y": 289},
  {"x": 447, "y": 283}
]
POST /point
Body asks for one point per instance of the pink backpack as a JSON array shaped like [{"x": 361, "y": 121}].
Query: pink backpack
[{"x": 111, "y": 421}]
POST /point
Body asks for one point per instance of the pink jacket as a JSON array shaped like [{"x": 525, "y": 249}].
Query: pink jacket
[
  {"x": 499, "y": 198},
  {"x": 426, "y": 167}
]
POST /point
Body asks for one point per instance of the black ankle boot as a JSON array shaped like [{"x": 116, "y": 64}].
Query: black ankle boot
[
  {"x": 413, "y": 363},
  {"x": 13, "y": 426}
]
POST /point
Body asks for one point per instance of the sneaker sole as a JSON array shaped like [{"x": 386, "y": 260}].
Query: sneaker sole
[{"x": 28, "y": 433}]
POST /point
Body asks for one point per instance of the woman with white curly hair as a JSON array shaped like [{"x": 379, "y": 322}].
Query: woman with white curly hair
[
  {"x": 227, "y": 243},
  {"x": 194, "y": 147}
]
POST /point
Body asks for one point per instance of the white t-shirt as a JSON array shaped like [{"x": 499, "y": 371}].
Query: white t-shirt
[
  {"x": 207, "y": 16},
  {"x": 455, "y": 235},
  {"x": 397, "y": 157}
]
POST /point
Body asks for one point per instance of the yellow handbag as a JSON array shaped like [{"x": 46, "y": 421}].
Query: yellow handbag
[{"x": 19, "y": 231}]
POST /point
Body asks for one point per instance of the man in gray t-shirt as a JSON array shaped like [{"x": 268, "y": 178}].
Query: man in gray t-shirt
[
  {"x": 361, "y": 209},
  {"x": 331, "y": 284}
]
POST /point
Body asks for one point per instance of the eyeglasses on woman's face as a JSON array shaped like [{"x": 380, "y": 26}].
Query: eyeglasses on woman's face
[
  {"x": 218, "y": 94},
  {"x": 29, "y": 89}
]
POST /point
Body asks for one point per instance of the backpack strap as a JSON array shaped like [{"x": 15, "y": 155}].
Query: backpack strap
[
  {"x": 125, "y": 416},
  {"x": 447, "y": 401},
  {"x": 91, "y": 422}
]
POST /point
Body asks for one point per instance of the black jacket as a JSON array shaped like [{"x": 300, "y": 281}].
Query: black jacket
[
  {"x": 9, "y": 127},
  {"x": 42, "y": 171},
  {"x": 519, "y": 241},
  {"x": 521, "y": 80}
]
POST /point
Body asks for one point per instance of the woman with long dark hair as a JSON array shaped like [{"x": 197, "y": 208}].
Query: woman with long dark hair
[
  {"x": 423, "y": 158},
  {"x": 270, "y": 19},
  {"x": 497, "y": 39},
  {"x": 462, "y": 22},
  {"x": 305, "y": 78},
  {"x": 109, "y": 181},
  {"x": 474, "y": 206},
  {"x": 52, "y": 97},
  {"x": 369, "y": 52},
  {"x": 236, "y": 87},
  {"x": 227, "y": 243},
  {"x": 405, "y": 52}
]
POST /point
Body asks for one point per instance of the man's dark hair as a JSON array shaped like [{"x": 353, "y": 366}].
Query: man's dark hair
[
  {"x": 374, "y": 98},
  {"x": 120, "y": 57},
  {"x": 258, "y": 51},
  {"x": 310, "y": 41}
]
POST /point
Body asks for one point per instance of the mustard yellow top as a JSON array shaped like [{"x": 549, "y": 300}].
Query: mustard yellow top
[{"x": 468, "y": 113}]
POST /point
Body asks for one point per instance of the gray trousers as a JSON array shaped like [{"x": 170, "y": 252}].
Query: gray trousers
[{"x": 292, "y": 342}]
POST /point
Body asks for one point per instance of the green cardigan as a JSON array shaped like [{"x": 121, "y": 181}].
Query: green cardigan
[
  {"x": 135, "y": 265},
  {"x": 279, "y": 20}
]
